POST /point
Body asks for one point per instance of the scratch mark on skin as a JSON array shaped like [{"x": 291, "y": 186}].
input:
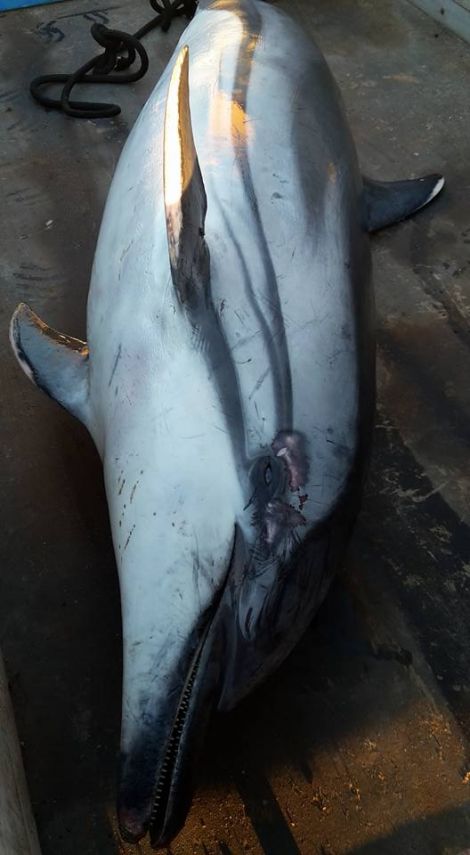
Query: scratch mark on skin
[
  {"x": 246, "y": 340},
  {"x": 258, "y": 414},
  {"x": 122, "y": 487},
  {"x": 242, "y": 321},
  {"x": 258, "y": 383},
  {"x": 133, "y": 491},
  {"x": 125, "y": 251},
  {"x": 221, "y": 429},
  {"x": 128, "y": 538},
  {"x": 116, "y": 361}
]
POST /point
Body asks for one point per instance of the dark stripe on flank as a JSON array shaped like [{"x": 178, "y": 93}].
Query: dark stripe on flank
[
  {"x": 251, "y": 21},
  {"x": 271, "y": 337},
  {"x": 269, "y": 314}
]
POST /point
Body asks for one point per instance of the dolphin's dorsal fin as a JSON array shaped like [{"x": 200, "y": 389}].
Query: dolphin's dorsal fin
[
  {"x": 185, "y": 196},
  {"x": 57, "y": 363},
  {"x": 388, "y": 202}
]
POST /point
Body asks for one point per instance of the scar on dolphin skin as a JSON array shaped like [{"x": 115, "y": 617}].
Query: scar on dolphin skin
[
  {"x": 128, "y": 538},
  {"x": 290, "y": 447},
  {"x": 280, "y": 517},
  {"x": 116, "y": 361}
]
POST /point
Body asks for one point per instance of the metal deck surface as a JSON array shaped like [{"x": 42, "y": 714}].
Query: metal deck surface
[{"x": 359, "y": 744}]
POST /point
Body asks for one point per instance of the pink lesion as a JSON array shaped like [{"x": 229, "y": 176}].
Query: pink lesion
[
  {"x": 280, "y": 517},
  {"x": 289, "y": 446}
]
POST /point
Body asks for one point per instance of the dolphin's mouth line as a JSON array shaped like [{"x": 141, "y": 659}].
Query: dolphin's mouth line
[
  {"x": 165, "y": 778},
  {"x": 162, "y": 795}
]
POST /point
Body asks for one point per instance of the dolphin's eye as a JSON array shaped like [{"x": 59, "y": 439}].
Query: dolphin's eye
[
  {"x": 268, "y": 475},
  {"x": 267, "y": 479}
]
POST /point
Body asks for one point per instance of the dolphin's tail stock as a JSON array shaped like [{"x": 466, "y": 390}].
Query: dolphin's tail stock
[{"x": 389, "y": 202}]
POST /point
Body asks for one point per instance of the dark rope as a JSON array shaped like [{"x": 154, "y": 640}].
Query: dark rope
[{"x": 120, "y": 52}]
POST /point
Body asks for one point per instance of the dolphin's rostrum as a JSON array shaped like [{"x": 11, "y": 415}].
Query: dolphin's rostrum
[{"x": 228, "y": 379}]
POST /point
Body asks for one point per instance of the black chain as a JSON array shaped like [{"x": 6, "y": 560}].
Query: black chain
[{"x": 120, "y": 52}]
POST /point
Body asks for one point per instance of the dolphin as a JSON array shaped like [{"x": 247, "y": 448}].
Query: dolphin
[{"x": 228, "y": 379}]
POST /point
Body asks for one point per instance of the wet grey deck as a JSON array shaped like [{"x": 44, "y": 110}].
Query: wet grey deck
[{"x": 360, "y": 743}]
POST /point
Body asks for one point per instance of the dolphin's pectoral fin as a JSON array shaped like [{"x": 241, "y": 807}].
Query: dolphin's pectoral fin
[
  {"x": 185, "y": 196},
  {"x": 388, "y": 202},
  {"x": 57, "y": 363}
]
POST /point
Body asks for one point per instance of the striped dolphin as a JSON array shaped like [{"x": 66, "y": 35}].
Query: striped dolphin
[{"x": 228, "y": 379}]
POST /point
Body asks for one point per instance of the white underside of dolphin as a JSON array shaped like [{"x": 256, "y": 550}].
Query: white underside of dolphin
[{"x": 228, "y": 377}]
